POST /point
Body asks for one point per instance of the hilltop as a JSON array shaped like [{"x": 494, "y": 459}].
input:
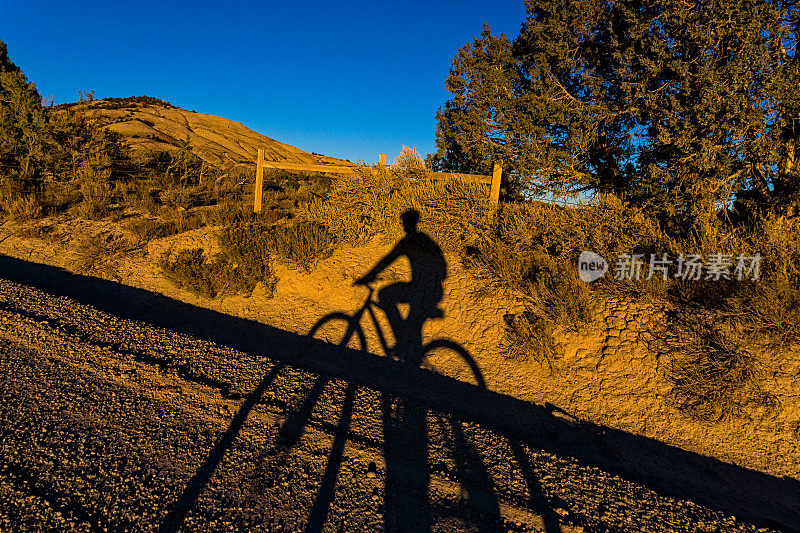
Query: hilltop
[{"x": 148, "y": 124}]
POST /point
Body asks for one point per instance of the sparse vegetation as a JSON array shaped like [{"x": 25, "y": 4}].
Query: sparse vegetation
[
  {"x": 130, "y": 101},
  {"x": 370, "y": 203},
  {"x": 192, "y": 270},
  {"x": 247, "y": 246},
  {"x": 96, "y": 200},
  {"x": 228, "y": 272},
  {"x": 530, "y": 336},
  {"x": 714, "y": 377},
  {"x": 147, "y": 229},
  {"x": 410, "y": 163},
  {"x": 99, "y": 254},
  {"x": 301, "y": 243}
]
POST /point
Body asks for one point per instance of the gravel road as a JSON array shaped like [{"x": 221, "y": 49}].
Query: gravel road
[{"x": 113, "y": 424}]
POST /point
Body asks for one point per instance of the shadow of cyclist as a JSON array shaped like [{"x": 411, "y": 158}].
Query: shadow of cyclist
[
  {"x": 405, "y": 422},
  {"x": 422, "y": 294}
]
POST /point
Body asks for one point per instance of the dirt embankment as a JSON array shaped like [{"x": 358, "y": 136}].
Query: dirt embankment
[{"x": 607, "y": 375}]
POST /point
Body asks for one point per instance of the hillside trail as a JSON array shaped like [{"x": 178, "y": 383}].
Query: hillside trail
[{"x": 252, "y": 426}]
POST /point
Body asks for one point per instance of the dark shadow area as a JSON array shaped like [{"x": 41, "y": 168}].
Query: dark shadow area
[
  {"x": 760, "y": 498},
  {"x": 405, "y": 449},
  {"x": 472, "y": 474},
  {"x": 295, "y": 424},
  {"x": 195, "y": 486},
  {"x": 422, "y": 293},
  {"x": 537, "y": 499},
  {"x": 322, "y": 503}
]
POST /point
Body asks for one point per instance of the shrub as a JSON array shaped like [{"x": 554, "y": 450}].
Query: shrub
[
  {"x": 22, "y": 207},
  {"x": 176, "y": 196},
  {"x": 99, "y": 254},
  {"x": 410, "y": 163},
  {"x": 17, "y": 204},
  {"x": 767, "y": 311},
  {"x": 147, "y": 229},
  {"x": 231, "y": 212},
  {"x": 192, "y": 271},
  {"x": 370, "y": 202},
  {"x": 137, "y": 196},
  {"x": 58, "y": 196},
  {"x": 209, "y": 277},
  {"x": 528, "y": 335},
  {"x": 301, "y": 243},
  {"x": 246, "y": 247},
  {"x": 713, "y": 376},
  {"x": 96, "y": 202}
]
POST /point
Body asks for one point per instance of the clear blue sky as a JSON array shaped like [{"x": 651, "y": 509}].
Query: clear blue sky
[{"x": 347, "y": 79}]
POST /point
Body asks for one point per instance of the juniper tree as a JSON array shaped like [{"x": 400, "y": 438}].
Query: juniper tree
[
  {"x": 24, "y": 132},
  {"x": 674, "y": 105}
]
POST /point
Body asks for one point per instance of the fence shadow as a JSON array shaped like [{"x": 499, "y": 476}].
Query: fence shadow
[{"x": 755, "y": 496}]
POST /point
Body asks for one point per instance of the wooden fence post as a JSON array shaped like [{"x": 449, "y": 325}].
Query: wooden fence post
[
  {"x": 382, "y": 160},
  {"x": 259, "y": 181},
  {"x": 494, "y": 193}
]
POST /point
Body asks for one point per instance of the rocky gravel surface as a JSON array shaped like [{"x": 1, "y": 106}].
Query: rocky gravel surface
[{"x": 111, "y": 424}]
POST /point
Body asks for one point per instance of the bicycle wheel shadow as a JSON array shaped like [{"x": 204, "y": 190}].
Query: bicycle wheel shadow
[{"x": 764, "y": 499}]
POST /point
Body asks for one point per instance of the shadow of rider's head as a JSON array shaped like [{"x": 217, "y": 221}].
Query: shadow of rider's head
[{"x": 410, "y": 219}]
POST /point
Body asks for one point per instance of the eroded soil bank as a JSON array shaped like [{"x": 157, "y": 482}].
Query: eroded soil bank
[{"x": 606, "y": 375}]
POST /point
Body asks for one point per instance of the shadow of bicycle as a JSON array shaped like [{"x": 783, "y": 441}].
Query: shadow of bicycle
[
  {"x": 443, "y": 356},
  {"x": 405, "y": 422},
  {"x": 398, "y": 394}
]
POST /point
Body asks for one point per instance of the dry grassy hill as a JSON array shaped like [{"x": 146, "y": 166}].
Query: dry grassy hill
[{"x": 148, "y": 124}]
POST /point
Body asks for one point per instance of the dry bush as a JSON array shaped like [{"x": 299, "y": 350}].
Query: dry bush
[
  {"x": 178, "y": 196},
  {"x": 247, "y": 247},
  {"x": 58, "y": 196},
  {"x": 232, "y": 211},
  {"x": 22, "y": 207},
  {"x": 301, "y": 243},
  {"x": 410, "y": 164},
  {"x": 96, "y": 203},
  {"x": 713, "y": 376},
  {"x": 370, "y": 203},
  {"x": 147, "y": 229},
  {"x": 17, "y": 204},
  {"x": 191, "y": 270},
  {"x": 227, "y": 212},
  {"x": 777, "y": 239},
  {"x": 534, "y": 247},
  {"x": 767, "y": 311},
  {"x": 528, "y": 335},
  {"x": 137, "y": 196},
  {"x": 100, "y": 254},
  {"x": 210, "y": 277}
]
